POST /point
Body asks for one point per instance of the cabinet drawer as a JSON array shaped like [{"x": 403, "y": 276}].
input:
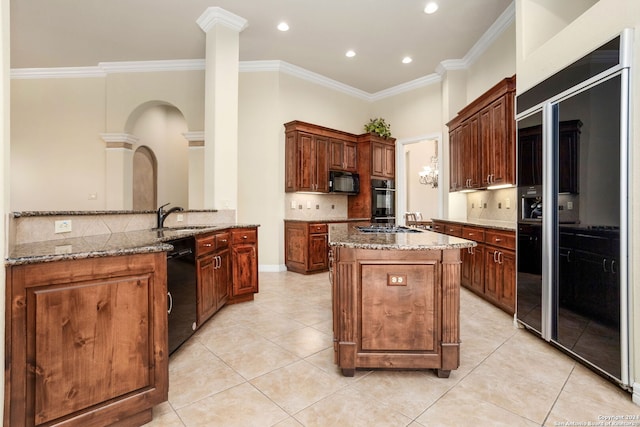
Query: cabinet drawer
[
  {"x": 473, "y": 233},
  {"x": 452, "y": 230},
  {"x": 317, "y": 228},
  {"x": 222, "y": 240},
  {"x": 244, "y": 236},
  {"x": 205, "y": 244},
  {"x": 503, "y": 239}
]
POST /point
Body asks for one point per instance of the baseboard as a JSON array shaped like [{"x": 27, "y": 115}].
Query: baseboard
[{"x": 271, "y": 268}]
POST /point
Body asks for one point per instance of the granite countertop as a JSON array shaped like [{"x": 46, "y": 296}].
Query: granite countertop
[
  {"x": 101, "y": 245},
  {"x": 487, "y": 223},
  {"x": 330, "y": 220},
  {"x": 21, "y": 214},
  {"x": 346, "y": 235}
]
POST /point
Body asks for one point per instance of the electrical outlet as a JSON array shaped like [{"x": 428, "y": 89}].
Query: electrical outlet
[
  {"x": 179, "y": 217},
  {"x": 484, "y": 205},
  {"x": 569, "y": 205},
  {"x": 62, "y": 226},
  {"x": 507, "y": 203},
  {"x": 299, "y": 206},
  {"x": 333, "y": 206},
  {"x": 317, "y": 206},
  {"x": 473, "y": 205},
  {"x": 499, "y": 205},
  {"x": 293, "y": 204},
  {"x": 308, "y": 204},
  {"x": 93, "y": 196}
]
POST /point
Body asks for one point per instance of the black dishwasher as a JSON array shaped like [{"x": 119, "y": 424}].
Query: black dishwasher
[{"x": 181, "y": 285}]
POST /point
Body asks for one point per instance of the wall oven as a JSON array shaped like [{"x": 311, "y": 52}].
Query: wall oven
[{"x": 383, "y": 201}]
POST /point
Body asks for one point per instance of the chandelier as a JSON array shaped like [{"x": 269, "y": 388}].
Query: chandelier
[{"x": 429, "y": 174}]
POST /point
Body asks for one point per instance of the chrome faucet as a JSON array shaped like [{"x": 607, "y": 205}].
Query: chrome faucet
[{"x": 161, "y": 215}]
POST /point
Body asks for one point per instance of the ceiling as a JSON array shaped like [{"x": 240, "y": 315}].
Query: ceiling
[{"x": 64, "y": 33}]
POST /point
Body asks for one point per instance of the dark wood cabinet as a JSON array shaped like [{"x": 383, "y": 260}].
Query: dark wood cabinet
[
  {"x": 87, "y": 341},
  {"x": 396, "y": 309},
  {"x": 311, "y": 151},
  {"x": 482, "y": 140},
  {"x": 343, "y": 155},
  {"x": 488, "y": 270},
  {"x": 306, "y": 246},
  {"x": 244, "y": 264},
  {"x": 212, "y": 270},
  {"x": 383, "y": 160}
]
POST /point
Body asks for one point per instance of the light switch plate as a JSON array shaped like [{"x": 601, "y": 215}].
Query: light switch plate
[{"x": 62, "y": 226}]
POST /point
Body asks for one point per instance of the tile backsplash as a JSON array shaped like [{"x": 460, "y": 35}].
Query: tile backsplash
[
  {"x": 304, "y": 206},
  {"x": 37, "y": 228},
  {"x": 497, "y": 205}
]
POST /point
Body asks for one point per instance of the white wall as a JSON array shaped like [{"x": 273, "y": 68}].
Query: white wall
[{"x": 420, "y": 198}]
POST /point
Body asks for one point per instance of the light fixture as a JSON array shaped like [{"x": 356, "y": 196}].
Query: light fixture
[
  {"x": 430, "y": 8},
  {"x": 283, "y": 26},
  {"x": 429, "y": 174},
  {"x": 406, "y": 60},
  {"x": 350, "y": 54}
]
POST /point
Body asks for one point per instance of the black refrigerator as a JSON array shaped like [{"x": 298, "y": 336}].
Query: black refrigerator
[{"x": 573, "y": 149}]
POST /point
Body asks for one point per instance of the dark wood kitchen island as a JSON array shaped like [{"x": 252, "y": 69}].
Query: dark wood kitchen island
[{"x": 396, "y": 299}]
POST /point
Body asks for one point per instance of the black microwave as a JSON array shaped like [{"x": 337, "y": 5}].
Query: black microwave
[{"x": 344, "y": 182}]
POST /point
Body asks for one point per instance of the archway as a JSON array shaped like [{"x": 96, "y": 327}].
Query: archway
[{"x": 145, "y": 179}]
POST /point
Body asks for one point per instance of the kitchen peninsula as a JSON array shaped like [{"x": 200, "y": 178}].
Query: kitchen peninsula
[
  {"x": 87, "y": 317},
  {"x": 396, "y": 299}
]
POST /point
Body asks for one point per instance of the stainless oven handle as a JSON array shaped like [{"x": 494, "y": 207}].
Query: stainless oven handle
[{"x": 384, "y": 189}]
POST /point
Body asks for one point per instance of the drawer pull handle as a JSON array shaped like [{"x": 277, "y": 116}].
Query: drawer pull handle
[
  {"x": 207, "y": 245},
  {"x": 223, "y": 240},
  {"x": 245, "y": 237},
  {"x": 498, "y": 240}
]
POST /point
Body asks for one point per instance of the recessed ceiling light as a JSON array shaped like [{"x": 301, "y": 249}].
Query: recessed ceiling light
[
  {"x": 431, "y": 7},
  {"x": 283, "y": 26},
  {"x": 350, "y": 54},
  {"x": 406, "y": 60}
]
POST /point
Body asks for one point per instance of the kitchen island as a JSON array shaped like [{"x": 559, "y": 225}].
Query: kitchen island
[{"x": 396, "y": 299}]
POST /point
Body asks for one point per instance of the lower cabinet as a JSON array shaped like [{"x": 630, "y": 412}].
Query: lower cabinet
[
  {"x": 244, "y": 264},
  {"x": 212, "y": 266},
  {"x": 306, "y": 246},
  {"x": 489, "y": 269},
  {"x": 86, "y": 341}
]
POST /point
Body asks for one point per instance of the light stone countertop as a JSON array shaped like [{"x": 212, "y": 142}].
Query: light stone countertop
[
  {"x": 102, "y": 245},
  {"x": 487, "y": 223},
  {"x": 346, "y": 235}
]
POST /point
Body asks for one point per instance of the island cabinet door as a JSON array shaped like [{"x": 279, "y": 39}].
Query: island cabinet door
[
  {"x": 400, "y": 307},
  {"x": 88, "y": 343}
]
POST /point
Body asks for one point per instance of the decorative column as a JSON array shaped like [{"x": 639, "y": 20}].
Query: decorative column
[
  {"x": 196, "y": 169},
  {"x": 119, "y": 170},
  {"x": 222, "y": 30}
]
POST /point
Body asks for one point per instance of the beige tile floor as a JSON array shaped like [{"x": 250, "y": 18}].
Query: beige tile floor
[{"x": 270, "y": 363}]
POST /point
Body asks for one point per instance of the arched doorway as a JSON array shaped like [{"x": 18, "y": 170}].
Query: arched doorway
[{"x": 145, "y": 180}]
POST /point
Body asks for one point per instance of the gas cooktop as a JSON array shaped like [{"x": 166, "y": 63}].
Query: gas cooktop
[{"x": 385, "y": 228}]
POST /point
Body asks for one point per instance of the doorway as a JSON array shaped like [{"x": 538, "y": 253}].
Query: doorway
[{"x": 145, "y": 180}]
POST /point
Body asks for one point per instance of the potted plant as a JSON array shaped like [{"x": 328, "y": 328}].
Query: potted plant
[{"x": 379, "y": 127}]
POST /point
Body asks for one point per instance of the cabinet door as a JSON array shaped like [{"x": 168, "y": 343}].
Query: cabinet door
[
  {"x": 306, "y": 168},
  {"x": 318, "y": 252},
  {"x": 470, "y": 160},
  {"x": 492, "y": 274},
  {"x": 291, "y": 162},
  {"x": 207, "y": 302},
  {"x": 507, "y": 289},
  {"x": 87, "y": 340},
  {"x": 342, "y": 155},
  {"x": 456, "y": 181},
  {"x": 377, "y": 159},
  {"x": 497, "y": 154},
  {"x": 568, "y": 145},
  {"x": 530, "y": 154},
  {"x": 389, "y": 161},
  {"x": 350, "y": 156},
  {"x": 221, "y": 278},
  {"x": 245, "y": 269},
  {"x": 321, "y": 166}
]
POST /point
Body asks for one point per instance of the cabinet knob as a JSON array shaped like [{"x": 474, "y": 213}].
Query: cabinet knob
[
  {"x": 245, "y": 237},
  {"x": 207, "y": 245},
  {"x": 223, "y": 240}
]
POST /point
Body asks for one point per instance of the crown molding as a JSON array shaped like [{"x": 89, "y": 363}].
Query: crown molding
[
  {"x": 152, "y": 66},
  {"x": 57, "y": 73},
  {"x": 217, "y": 15},
  {"x": 194, "y": 136},
  {"x": 406, "y": 87},
  {"x": 495, "y": 30}
]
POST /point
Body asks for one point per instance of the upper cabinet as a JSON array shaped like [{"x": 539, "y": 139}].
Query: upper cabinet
[
  {"x": 383, "y": 157},
  {"x": 311, "y": 151},
  {"x": 482, "y": 140}
]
